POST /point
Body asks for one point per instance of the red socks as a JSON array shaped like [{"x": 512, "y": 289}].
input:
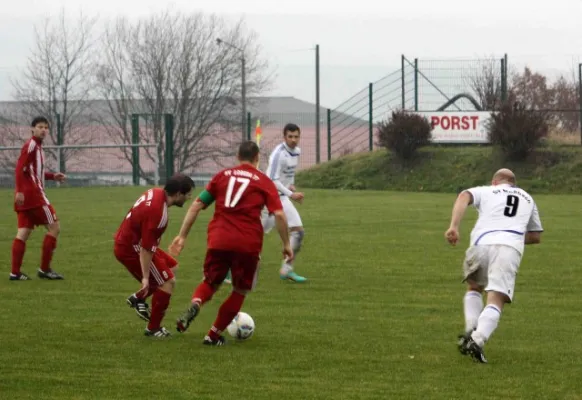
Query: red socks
[
  {"x": 48, "y": 247},
  {"x": 203, "y": 293},
  {"x": 18, "y": 249},
  {"x": 226, "y": 313},
  {"x": 160, "y": 303}
]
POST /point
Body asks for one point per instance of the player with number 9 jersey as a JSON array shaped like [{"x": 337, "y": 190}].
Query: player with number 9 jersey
[
  {"x": 235, "y": 236},
  {"x": 508, "y": 220}
]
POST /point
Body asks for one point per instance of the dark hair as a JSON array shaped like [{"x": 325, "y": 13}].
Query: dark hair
[
  {"x": 39, "y": 120},
  {"x": 290, "y": 128},
  {"x": 248, "y": 151},
  {"x": 179, "y": 183}
]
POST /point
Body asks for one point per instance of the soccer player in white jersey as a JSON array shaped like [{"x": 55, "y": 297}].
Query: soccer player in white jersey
[
  {"x": 508, "y": 220},
  {"x": 282, "y": 166}
]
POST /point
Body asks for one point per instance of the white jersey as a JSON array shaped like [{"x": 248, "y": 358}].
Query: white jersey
[
  {"x": 506, "y": 213},
  {"x": 282, "y": 166}
]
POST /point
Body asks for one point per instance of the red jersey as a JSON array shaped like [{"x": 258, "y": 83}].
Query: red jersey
[
  {"x": 30, "y": 175},
  {"x": 145, "y": 222},
  {"x": 240, "y": 193}
]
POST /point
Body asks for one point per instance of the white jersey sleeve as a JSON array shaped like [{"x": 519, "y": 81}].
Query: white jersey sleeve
[
  {"x": 535, "y": 224},
  {"x": 476, "y": 193}
]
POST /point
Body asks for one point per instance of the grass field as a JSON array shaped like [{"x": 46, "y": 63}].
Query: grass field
[{"x": 378, "y": 319}]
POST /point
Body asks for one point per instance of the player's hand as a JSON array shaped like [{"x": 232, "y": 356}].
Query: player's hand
[
  {"x": 452, "y": 236},
  {"x": 298, "y": 197},
  {"x": 145, "y": 287},
  {"x": 288, "y": 254},
  {"x": 177, "y": 246},
  {"x": 292, "y": 188},
  {"x": 60, "y": 177},
  {"x": 19, "y": 198}
]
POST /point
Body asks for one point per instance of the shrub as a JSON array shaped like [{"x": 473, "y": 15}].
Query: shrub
[
  {"x": 517, "y": 130},
  {"x": 404, "y": 134}
]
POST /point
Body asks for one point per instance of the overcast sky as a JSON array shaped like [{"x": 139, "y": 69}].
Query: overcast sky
[{"x": 359, "y": 41}]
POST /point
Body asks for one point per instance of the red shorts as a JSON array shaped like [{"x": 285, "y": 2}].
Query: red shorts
[
  {"x": 160, "y": 269},
  {"x": 43, "y": 215},
  {"x": 244, "y": 268}
]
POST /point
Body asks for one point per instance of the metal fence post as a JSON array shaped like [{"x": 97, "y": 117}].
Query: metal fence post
[
  {"x": 370, "y": 116},
  {"x": 135, "y": 149},
  {"x": 169, "y": 128},
  {"x": 328, "y": 134}
]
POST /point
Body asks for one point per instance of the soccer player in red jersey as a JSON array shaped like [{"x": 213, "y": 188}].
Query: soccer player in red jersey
[
  {"x": 32, "y": 206},
  {"x": 235, "y": 236},
  {"x": 136, "y": 247}
]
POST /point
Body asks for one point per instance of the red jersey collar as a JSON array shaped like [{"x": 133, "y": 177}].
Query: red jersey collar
[
  {"x": 247, "y": 166},
  {"x": 37, "y": 140}
]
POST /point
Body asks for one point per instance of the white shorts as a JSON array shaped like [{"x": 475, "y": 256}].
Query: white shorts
[
  {"x": 293, "y": 218},
  {"x": 493, "y": 267}
]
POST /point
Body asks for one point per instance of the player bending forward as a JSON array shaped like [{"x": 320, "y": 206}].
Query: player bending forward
[
  {"x": 136, "y": 247},
  {"x": 235, "y": 237},
  {"x": 282, "y": 165},
  {"x": 508, "y": 219},
  {"x": 32, "y": 206}
]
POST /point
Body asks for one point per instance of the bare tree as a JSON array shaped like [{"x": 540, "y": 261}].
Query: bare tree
[
  {"x": 566, "y": 103},
  {"x": 58, "y": 78},
  {"x": 171, "y": 63},
  {"x": 486, "y": 84}
]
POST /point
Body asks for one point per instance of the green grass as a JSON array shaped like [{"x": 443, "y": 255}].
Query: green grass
[
  {"x": 446, "y": 169},
  {"x": 378, "y": 319}
]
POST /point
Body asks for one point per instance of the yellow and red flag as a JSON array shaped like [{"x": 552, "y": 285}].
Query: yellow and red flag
[{"x": 258, "y": 132}]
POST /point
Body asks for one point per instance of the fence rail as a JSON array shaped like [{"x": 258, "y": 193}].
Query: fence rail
[{"x": 421, "y": 85}]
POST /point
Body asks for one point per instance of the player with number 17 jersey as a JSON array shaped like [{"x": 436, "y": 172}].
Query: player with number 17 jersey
[
  {"x": 239, "y": 194},
  {"x": 235, "y": 237}
]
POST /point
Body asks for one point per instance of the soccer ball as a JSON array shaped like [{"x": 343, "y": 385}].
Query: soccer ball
[{"x": 242, "y": 326}]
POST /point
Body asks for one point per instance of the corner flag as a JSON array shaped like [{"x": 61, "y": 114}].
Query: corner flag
[{"x": 258, "y": 132}]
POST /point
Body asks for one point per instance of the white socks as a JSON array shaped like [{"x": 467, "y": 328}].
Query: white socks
[
  {"x": 486, "y": 324},
  {"x": 472, "y": 305}
]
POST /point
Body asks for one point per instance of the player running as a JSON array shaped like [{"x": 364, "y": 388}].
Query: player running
[
  {"x": 136, "y": 247},
  {"x": 235, "y": 237},
  {"x": 32, "y": 206},
  {"x": 508, "y": 219},
  {"x": 281, "y": 169}
]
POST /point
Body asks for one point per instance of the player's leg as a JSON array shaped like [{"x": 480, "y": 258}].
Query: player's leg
[
  {"x": 25, "y": 227},
  {"x": 475, "y": 275},
  {"x": 161, "y": 273},
  {"x": 296, "y": 234},
  {"x": 216, "y": 266},
  {"x": 245, "y": 269},
  {"x": 129, "y": 258},
  {"x": 503, "y": 266},
  {"x": 47, "y": 216}
]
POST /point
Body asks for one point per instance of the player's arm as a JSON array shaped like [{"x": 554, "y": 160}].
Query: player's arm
[
  {"x": 274, "y": 206},
  {"x": 464, "y": 200},
  {"x": 145, "y": 259},
  {"x": 20, "y": 173},
  {"x": 20, "y": 170},
  {"x": 274, "y": 173},
  {"x": 534, "y": 228},
  {"x": 533, "y": 237},
  {"x": 54, "y": 176},
  {"x": 150, "y": 238},
  {"x": 201, "y": 203}
]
